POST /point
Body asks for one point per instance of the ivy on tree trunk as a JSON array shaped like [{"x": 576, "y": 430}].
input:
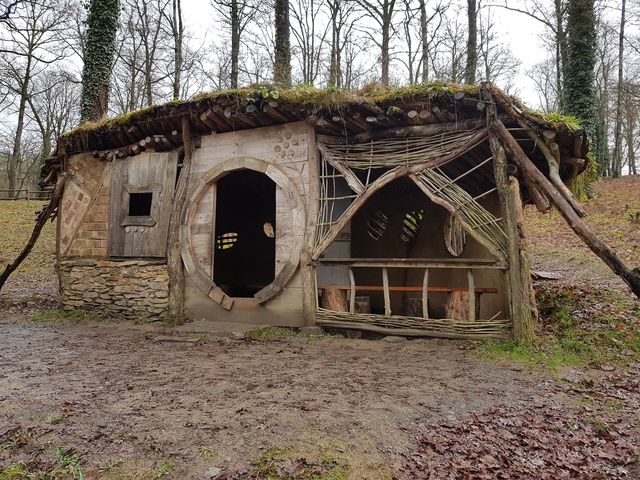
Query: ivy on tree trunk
[
  {"x": 579, "y": 88},
  {"x": 102, "y": 27}
]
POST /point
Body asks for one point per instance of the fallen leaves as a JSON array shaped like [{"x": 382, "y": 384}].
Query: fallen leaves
[{"x": 544, "y": 442}]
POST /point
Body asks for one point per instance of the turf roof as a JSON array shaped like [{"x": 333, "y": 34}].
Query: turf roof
[{"x": 312, "y": 99}]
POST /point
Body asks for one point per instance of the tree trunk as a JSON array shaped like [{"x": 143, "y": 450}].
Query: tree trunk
[
  {"x": 178, "y": 35},
  {"x": 384, "y": 50},
  {"x": 15, "y": 160},
  {"x": 579, "y": 88},
  {"x": 425, "y": 41},
  {"x": 617, "y": 145},
  {"x": 175, "y": 266},
  {"x": 282, "y": 63},
  {"x": 561, "y": 52},
  {"x": 472, "y": 42},
  {"x": 102, "y": 27},
  {"x": 235, "y": 43}
]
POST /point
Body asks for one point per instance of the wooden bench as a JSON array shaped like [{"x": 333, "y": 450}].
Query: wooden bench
[{"x": 457, "y": 305}]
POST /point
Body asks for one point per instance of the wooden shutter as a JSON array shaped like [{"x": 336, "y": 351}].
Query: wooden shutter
[{"x": 141, "y": 235}]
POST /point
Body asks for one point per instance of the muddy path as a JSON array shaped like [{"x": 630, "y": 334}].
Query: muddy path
[{"x": 127, "y": 406}]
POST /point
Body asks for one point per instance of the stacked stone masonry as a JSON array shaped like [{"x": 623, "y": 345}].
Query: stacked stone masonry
[{"x": 131, "y": 288}]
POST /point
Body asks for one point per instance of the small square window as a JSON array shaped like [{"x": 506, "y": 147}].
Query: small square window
[{"x": 140, "y": 204}]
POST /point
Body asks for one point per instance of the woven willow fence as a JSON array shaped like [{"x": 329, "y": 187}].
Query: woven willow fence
[
  {"x": 338, "y": 163},
  {"x": 476, "y": 219},
  {"x": 415, "y": 326},
  {"x": 396, "y": 152}
]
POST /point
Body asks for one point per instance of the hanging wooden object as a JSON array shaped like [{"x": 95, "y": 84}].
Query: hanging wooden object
[{"x": 455, "y": 236}]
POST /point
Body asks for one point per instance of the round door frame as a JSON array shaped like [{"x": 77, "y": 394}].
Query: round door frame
[{"x": 296, "y": 216}]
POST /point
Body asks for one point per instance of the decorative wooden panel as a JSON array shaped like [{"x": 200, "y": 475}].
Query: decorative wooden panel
[{"x": 141, "y": 236}]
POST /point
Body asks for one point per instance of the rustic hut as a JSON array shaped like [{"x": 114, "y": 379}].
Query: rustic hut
[{"x": 394, "y": 211}]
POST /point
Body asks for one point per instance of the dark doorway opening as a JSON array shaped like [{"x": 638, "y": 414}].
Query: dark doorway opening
[{"x": 244, "y": 258}]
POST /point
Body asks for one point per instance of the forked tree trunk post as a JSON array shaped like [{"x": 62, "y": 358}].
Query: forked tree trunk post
[
  {"x": 175, "y": 267},
  {"x": 518, "y": 276}
]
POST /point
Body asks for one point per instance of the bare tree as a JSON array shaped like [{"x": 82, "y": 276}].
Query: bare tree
[
  {"x": 341, "y": 15},
  {"x": 7, "y": 7},
  {"x": 425, "y": 41},
  {"x": 554, "y": 20},
  {"x": 236, "y": 15},
  {"x": 617, "y": 136},
  {"x": 381, "y": 12},
  {"x": 472, "y": 42},
  {"x": 282, "y": 52},
  {"x": 310, "y": 32},
  {"x": 32, "y": 41},
  {"x": 499, "y": 65},
  {"x": 543, "y": 76}
]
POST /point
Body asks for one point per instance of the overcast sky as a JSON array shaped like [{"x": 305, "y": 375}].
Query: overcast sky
[{"x": 519, "y": 31}]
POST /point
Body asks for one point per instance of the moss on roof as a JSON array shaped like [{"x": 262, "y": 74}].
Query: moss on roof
[{"x": 309, "y": 97}]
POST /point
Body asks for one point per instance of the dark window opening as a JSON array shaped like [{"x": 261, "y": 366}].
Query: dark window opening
[
  {"x": 411, "y": 225},
  {"x": 226, "y": 240},
  {"x": 377, "y": 224},
  {"x": 244, "y": 257},
  {"x": 140, "y": 204}
]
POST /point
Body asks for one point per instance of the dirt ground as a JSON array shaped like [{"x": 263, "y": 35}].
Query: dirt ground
[
  {"x": 127, "y": 405},
  {"x": 87, "y": 399}
]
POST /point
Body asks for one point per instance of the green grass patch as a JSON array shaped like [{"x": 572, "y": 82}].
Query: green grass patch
[
  {"x": 14, "y": 471},
  {"x": 60, "y": 315},
  {"x": 280, "y": 464},
  {"x": 270, "y": 333},
  {"x": 17, "y": 218},
  {"x": 581, "y": 327}
]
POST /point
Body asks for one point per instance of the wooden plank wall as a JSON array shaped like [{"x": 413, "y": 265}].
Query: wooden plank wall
[
  {"x": 151, "y": 170},
  {"x": 287, "y": 148}
]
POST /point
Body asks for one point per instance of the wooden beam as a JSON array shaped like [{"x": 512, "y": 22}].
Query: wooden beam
[
  {"x": 399, "y": 288},
  {"x": 352, "y": 299},
  {"x": 416, "y": 262},
  {"x": 425, "y": 294},
  {"x": 49, "y": 211},
  {"x": 597, "y": 246},
  {"x": 387, "y": 297},
  {"x": 416, "y": 131},
  {"x": 352, "y": 180},
  {"x": 472, "y": 295},
  {"x": 553, "y": 161}
]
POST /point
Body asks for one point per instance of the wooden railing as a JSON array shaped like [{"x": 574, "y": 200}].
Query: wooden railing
[
  {"x": 421, "y": 263},
  {"x": 24, "y": 194}
]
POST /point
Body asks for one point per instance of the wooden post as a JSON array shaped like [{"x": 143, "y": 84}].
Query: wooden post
[
  {"x": 352, "y": 300},
  {"x": 472, "y": 295},
  {"x": 518, "y": 290},
  {"x": 387, "y": 297},
  {"x": 175, "y": 267},
  {"x": 514, "y": 189},
  {"x": 425, "y": 294}
]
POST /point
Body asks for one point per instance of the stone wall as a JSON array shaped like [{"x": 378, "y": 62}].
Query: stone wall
[{"x": 130, "y": 288}]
